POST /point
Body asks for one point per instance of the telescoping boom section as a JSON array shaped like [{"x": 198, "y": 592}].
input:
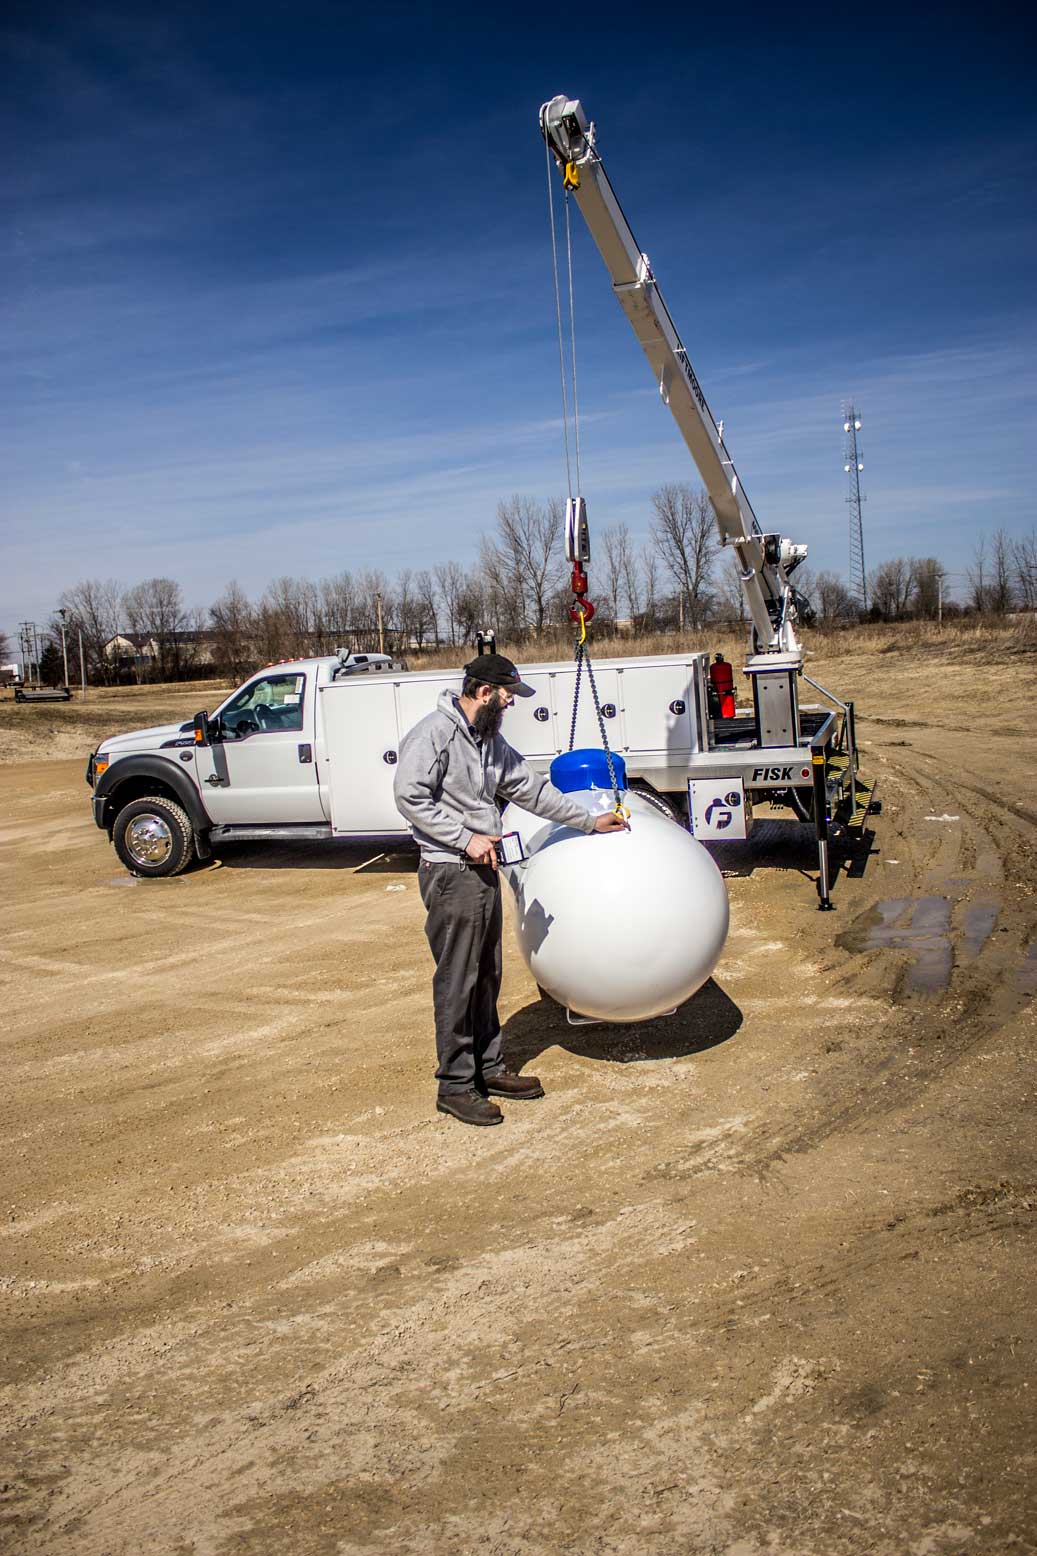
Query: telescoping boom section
[{"x": 764, "y": 561}]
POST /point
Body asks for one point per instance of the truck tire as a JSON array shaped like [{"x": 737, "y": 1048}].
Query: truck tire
[
  {"x": 658, "y": 801},
  {"x": 153, "y": 837}
]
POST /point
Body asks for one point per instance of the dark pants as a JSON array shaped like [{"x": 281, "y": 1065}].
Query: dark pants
[{"x": 464, "y": 932}]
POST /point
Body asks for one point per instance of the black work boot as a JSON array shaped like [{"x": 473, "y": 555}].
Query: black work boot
[
  {"x": 518, "y": 1087},
  {"x": 469, "y": 1107}
]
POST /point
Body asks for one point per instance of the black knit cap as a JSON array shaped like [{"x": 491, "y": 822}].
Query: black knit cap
[{"x": 495, "y": 670}]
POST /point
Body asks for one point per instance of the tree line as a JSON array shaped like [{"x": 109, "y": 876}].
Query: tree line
[{"x": 674, "y": 580}]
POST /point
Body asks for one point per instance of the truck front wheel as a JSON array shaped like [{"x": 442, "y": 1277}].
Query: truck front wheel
[{"x": 153, "y": 837}]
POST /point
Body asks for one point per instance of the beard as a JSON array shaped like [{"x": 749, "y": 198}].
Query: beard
[{"x": 487, "y": 721}]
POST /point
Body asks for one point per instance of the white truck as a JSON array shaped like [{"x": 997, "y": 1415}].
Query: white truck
[{"x": 306, "y": 749}]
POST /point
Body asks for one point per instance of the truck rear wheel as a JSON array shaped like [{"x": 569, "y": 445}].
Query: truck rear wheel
[
  {"x": 153, "y": 837},
  {"x": 658, "y": 801}
]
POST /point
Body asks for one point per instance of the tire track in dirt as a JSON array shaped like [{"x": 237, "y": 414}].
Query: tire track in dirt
[{"x": 983, "y": 856}]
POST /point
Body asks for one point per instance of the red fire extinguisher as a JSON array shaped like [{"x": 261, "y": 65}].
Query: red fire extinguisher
[{"x": 723, "y": 680}]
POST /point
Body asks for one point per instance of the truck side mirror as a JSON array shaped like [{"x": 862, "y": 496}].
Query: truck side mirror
[{"x": 201, "y": 729}]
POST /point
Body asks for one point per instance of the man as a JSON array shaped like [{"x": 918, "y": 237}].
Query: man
[{"x": 453, "y": 765}]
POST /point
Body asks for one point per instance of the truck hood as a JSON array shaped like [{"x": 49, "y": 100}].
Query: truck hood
[{"x": 146, "y": 739}]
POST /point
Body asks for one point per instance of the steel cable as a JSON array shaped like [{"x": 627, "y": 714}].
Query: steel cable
[{"x": 558, "y": 312}]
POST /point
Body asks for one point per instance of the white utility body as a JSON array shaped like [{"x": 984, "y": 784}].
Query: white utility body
[{"x": 307, "y": 750}]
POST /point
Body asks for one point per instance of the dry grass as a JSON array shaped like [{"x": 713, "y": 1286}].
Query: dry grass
[
  {"x": 48, "y": 731},
  {"x": 975, "y": 636},
  {"x": 559, "y": 646}
]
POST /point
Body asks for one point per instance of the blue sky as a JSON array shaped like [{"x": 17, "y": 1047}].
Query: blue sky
[{"x": 278, "y": 297}]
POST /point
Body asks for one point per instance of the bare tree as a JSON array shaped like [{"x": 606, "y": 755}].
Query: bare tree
[
  {"x": 991, "y": 574},
  {"x": 730, "y": 594},
  {"x": 94, "y": 608},
  {"x": 232, "y": 621},
  {"x": 977, "y": 573},
  {"x": 286, "y": 619},
  {"x": 406, "y": 608},
  {"x": 505, "y": 603},
  {"x": 374, "y": 595},
  {"x": 830, "y": 597},
  {"x": 618, "y": 549},
  {"x": 1024, "y": 569},
  {"x": 527, "y": 550},
  {"x": 650, "y": 580},
  {"x": 337, "y": 608},
  {"x": 889, "y": 588},
  {"x": 450, "y": 581},
  {"x": 999, "y": 590},
  {"x": 472, "y": 605},
  {"x": 155, "y": 609},
  {"x": 632, "y": 584},
  {"x": 426, "y": 620},
  {"x": 684, "y": 530},
  {"x": 929, "y": 585}
]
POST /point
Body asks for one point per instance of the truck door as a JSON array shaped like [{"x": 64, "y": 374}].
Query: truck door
[{"x": 262, "y": 769}]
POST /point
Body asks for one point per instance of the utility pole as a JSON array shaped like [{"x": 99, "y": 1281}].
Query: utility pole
[
  {"x": 82, "y": 663},
  {"x": 381, "y": 629},
  {"x": 29, "y": 648},
  {"x": 939, "y": 599},
  {"x": 63, "y": 613},
  {"x": 853, "y": 467}
]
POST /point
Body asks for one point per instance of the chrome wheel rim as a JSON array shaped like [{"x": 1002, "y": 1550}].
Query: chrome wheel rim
[{"x": 149, "y": 840}]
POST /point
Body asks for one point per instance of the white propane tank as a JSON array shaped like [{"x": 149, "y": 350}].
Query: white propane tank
[{"x": 619, "y": 926}]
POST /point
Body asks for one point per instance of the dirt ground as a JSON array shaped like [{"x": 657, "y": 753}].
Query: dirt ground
[{"x": 756, "y": 1280}]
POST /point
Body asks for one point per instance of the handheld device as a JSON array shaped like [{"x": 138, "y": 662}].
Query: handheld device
[{"x": 509, "y": 850}]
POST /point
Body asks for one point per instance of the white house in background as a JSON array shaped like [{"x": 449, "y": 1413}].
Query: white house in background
[
  {"x": 127, "y": 649},
  {"x": 139, "y": 651}
]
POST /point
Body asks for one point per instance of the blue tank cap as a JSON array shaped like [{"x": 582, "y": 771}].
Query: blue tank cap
[{"x": 587, "y": 769}]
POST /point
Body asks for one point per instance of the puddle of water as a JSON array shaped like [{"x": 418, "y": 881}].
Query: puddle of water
[
  {"x": 979, "y": 926},
  {"x": 921, "y": 925},
  {"x": 124, "y": 880}
]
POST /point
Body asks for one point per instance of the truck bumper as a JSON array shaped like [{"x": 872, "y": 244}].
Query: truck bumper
[{"x": 97, "y": 804}]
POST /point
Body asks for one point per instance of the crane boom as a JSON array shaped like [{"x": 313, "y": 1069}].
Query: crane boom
[{"x": 764, "y": 561}]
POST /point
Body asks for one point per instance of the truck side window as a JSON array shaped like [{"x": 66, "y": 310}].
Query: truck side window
[{"x": 274, "y": 702}]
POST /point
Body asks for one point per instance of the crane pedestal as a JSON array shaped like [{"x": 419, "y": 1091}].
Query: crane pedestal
[{"x": 775, "y": 697}]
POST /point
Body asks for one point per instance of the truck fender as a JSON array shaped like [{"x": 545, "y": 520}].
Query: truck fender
[{"x": 147, "y": 775}]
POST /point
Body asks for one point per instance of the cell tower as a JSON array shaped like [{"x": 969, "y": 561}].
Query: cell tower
[{"x": 853, "y": 467}]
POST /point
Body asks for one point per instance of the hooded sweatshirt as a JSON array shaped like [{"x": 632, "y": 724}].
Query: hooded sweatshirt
[{"x": 447, "y": 782}]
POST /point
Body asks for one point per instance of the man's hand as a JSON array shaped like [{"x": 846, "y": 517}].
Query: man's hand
[
  {"x": 483, "y": 850},
  {"x": 612, "y": 823}
]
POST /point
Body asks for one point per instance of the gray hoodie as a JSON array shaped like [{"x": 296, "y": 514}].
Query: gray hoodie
[{"x": 447, "y": 783}]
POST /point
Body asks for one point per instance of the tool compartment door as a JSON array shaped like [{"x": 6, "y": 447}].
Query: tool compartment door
[
  {"x": 416, "y": 698},
  {"x": 361, "y": 739},
  {"x": 588, "y": 734},
  {"x": 658, "y": 703},
  {"x": 530, "y": 724}
]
